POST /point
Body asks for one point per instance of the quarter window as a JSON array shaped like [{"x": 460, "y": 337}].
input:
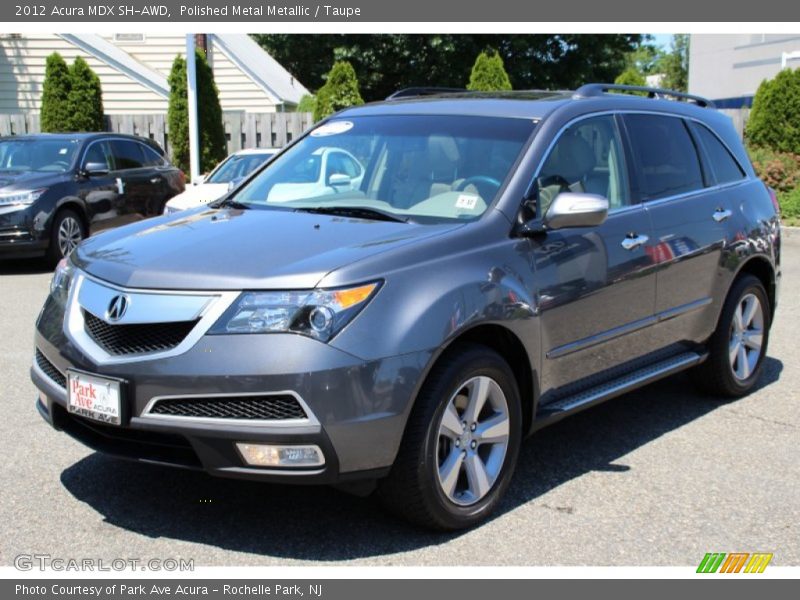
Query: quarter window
[
  {"x": 587, "y": 158},
  {"x": 151, "y": 157},
  {"x": 726, "y": 169},
  {"x": 668, "y": 161}
]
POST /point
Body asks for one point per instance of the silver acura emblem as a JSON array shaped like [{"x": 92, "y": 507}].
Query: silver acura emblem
[{"x": 117, "y": 308}]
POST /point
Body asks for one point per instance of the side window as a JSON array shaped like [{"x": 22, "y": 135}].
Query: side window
[
  {"x": 151, "y": 157},
  {"x": 668, "y": 160},
  {"x": 587, "y": 158},
  {"x": 726, "y": 169},
  {"x": 336, "y": 165},
  {"x": 127, "y": 154},
  {"x": 98, "y": 153}
]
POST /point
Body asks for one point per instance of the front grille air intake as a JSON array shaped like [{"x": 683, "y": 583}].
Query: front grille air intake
[
  {"x": 145, "y": 338},
  {"x": 50, "y": 370},
  {"x": 280, "y": 407}
]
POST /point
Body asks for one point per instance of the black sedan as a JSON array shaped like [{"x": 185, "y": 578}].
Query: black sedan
[{"x": 56, "y": 189}]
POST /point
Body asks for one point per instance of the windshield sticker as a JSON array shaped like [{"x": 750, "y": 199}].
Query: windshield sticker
[
  {"x": 467, "y": 201},
  {"x": 332, "y": 128}
]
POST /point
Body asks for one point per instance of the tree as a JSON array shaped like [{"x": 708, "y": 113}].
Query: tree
[
  {"x": 85, "y": 99},
  {"x": 631, "y": 76},
  {"x": 488, "y": 74},
  {"x": 307, "y": 103},
  {"x": 55, "y": 92},
  {"x": 675, "y": 65},
  {"x": 775, "y": 118},
  {"x": 339, "y": 91},
  {"x": 387, "y": 63},
  {"x": 213, "y": 147}
]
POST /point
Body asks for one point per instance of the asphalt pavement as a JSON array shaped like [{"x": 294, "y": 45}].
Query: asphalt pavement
[{"x": 657, "y": 477}]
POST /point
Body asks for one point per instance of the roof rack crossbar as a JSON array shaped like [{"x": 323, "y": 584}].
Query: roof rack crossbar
[
  {"x": 424, "y": 91},
  {"x": 596, "y": 89}
]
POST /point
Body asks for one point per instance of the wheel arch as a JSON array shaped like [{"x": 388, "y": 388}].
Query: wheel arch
[{"x": 761, "y": 268}]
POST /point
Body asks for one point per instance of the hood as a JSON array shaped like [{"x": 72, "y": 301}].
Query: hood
[
  {"x": 197, "y": 195},
  {"x": 229, "y": 249},
  {"x": 28, "y": 180}
]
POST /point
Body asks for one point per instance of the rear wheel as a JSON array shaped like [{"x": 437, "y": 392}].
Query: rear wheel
[
  {"x": 67, "y": 232},
  {"x": 461, "y": 443},
  {"x": 738, "y": 346}
]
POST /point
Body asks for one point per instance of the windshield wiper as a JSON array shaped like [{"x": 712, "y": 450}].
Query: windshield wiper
[
  {"x": 231, "y": 203},
  {"x": 359, "y": 212}
]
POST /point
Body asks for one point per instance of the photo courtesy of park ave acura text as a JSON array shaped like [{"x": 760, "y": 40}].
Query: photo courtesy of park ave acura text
[{"x": 322, "y": 295}]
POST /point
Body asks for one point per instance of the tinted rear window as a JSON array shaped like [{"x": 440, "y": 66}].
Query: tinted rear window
[
  {"x": 127, "y": 154},
  {"x": 667, "y": 156},
  {"x": 725, "y": 167}
]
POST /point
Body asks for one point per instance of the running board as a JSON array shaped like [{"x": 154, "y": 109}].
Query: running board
[{"x": 571, "y": 404}]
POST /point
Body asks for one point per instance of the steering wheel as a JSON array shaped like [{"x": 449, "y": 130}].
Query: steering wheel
[
  {"x": 56, "y": 165},
  {"x": 483, "y": 183}
]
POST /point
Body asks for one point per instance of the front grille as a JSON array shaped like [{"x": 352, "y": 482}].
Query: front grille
[
  {"x": 136, "y": 339},
  {"x": 50, "y": 370},
  {"x": 263, "y": 408}
]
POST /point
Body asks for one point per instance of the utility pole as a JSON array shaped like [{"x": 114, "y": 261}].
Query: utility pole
[{"x": 194, "y": 134}]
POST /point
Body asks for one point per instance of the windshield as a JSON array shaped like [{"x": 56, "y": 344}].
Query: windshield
[
  {"x": 237, "y": 166},
  {"x": 40, "y": 155},
  {"x": 420, "y": 168}
]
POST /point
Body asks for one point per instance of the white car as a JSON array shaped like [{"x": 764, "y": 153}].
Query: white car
[
  {"x": 325, "y": 171},
  {"x": 225, "y": 175}
]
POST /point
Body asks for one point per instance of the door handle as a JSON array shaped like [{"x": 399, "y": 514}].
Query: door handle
[
  {"x": 633, "y": 241},
  {"x": 155, "y": 179},
  {"x": 721, "y": 214}
]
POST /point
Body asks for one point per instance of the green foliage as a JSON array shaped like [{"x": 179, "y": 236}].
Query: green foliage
[
  {"x": 213, "y": 146},
  {"x": 631, "y": 76},
  {"x": 307, "y": 103},
  {"x": 85, "y": 99},
  {"x": 340, "y": 91},
  {"x": 645, "y": 58},
  {"x": 488, "y": 74},
  {"x": 790, "y": 205},
  {"x": 55, "y": 113},
  {"x": 780, "y": 171},
  {"x": 387, "y": 63},
  {"x": 178, "y": 114},
  {"x": 675, "y": 65},
  {"x": 775, "y": 118}
]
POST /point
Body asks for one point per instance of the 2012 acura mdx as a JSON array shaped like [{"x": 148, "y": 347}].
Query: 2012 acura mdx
[{"x": 503, "y": 262}]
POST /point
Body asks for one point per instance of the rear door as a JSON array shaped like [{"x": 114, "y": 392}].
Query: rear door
[
  {"x": 596, "y": 287},
  {"x": 138, "y": 180},
  {"x": 690, "y": 213}
]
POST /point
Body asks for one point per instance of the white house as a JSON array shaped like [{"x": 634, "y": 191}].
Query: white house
[{"x": 133, "y": 70}]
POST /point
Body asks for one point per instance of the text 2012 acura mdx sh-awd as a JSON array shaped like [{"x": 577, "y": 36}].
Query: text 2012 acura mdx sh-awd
[{"x": 503, "y": 261}]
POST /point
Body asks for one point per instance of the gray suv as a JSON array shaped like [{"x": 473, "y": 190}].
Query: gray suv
[{"x": 473, "y": 268}]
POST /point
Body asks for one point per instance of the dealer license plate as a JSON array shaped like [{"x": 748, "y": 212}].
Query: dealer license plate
[{"x": 94, "y": 397}]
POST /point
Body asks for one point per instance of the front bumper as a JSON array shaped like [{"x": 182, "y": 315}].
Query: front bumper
[
  {"x": 19, "y": 238},
  {"x": 358, "y": 408}
]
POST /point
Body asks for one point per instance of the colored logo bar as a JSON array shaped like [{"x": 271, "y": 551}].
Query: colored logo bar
[{"x": 734, "y": 562}]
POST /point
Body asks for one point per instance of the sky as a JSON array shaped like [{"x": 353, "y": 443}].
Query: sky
[{"x": 662, "y": 39}]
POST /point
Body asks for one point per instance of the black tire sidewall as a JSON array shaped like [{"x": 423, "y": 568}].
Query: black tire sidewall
[{"x": 479, "y": 361}]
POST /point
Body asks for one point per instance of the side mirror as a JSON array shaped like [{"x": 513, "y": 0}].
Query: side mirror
[
  {"x": 339, "y": 180},
  {"x": 198, "y": 180},
  {"x": 233, "y": 183},
  {"x": 94, "y": 169},
  {"x": 570, "y": 209}
]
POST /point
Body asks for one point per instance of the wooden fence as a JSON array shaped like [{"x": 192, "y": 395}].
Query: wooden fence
[{"x": 242, "y": 130}]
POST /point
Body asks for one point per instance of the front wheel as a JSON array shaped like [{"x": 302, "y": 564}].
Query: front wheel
[
  {"x": 738, "y": 346},
  {"x": 461, "y": 443},
  {"x": 67, "y": 232}
]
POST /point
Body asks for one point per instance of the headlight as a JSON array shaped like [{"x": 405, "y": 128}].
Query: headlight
[
  {"x": 62, "y": 279},
  {"x": 24, "y": 197},
  {"x": 320, "y": 314}
]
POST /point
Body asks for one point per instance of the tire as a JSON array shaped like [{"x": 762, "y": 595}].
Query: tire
[
  {"x": 431, "y": 446},
  {"x": 66, "y": 232},
  {"x": 727, "y": 372}
]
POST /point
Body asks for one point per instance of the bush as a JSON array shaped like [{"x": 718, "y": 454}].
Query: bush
[
  {"x": 790, "y": 205},
  {"x": 775, "y": 118},
  {"x": 489, "y": 74},
  {"x": 55, "y": 113},
  {"x": 340, "y": 91},
  {"x": 780, "y": 171},
  {"x": 213, "y": 147},
  {"x": 85, "y": 99},
  {"x": 308, "y": 103},
  {"x": 631, "y": 76}
]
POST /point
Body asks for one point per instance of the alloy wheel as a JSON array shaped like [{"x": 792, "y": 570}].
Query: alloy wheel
[
  {"x": 747, "y": 336},
  {"x": 69, "y": 235}
]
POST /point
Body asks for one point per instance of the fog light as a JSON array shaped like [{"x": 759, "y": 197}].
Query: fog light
[{"x": 269, "y": 455}]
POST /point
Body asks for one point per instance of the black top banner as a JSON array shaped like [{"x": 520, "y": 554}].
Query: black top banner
[{"x": 449, "y": 11}]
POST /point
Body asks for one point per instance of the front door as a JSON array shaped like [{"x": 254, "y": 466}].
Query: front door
[{"x": 596, "y": 286}]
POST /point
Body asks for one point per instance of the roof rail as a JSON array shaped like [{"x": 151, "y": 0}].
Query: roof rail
[
  {"x": 423, "y": 91},
  {"x": 598, "y": 89}
]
